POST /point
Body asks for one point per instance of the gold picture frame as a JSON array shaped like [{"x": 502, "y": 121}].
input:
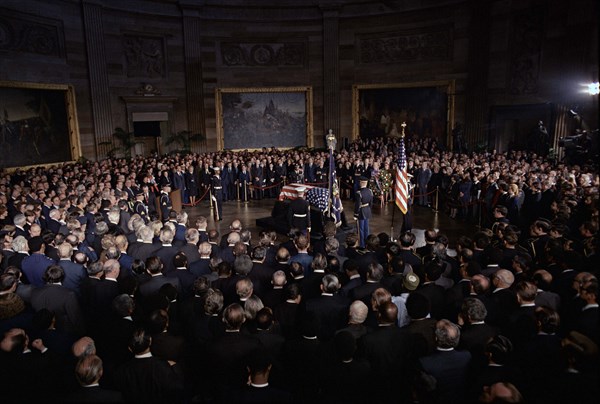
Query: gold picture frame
[
  {"x": 448, "y": 87},
  {"x": 33, "y": 119},
  {"x": 298, "y": 100}
]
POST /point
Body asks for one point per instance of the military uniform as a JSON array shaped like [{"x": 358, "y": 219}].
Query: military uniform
[
  {"x": 217, "y": 194},
  {"x": 299, "y": 214},
  {"x": 165, "y": 205},
  {"x": 363, "y": 200},
  {"x": 141, "y": 209}
]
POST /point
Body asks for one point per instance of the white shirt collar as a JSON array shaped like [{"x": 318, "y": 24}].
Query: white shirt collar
[
  {"x": 260, "y": 386},
  {"x": 142, "y": 356}
]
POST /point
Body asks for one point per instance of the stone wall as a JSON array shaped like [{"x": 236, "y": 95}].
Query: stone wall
[{"x": 496, "y": 53}]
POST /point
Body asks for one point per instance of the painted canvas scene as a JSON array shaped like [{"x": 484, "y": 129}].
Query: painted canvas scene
[
  {"x": 424, "y": 109},
  {"x": 264, "y": 119},
  {"x": 33, "y": 127}
]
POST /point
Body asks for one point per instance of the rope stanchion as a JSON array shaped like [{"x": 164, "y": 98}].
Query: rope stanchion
[
  {"x": 437, "y": 199},
  {"x": 197, "y": 200},
  {"x": 265, "y": 187}
]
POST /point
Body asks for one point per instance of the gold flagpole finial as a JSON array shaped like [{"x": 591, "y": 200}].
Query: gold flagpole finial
[{"x": 403, "y": 126}]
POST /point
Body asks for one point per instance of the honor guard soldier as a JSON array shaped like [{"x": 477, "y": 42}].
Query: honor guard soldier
[
  {"x": 165, "y": 202},
  {"x": 140, "y": 207},
  {"x": 217, "y": 192},
  {"x": 363, "y": 200},
  {"x": 299, "y": 212}
]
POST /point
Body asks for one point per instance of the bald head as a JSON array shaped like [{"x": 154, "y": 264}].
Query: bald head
[
  {"x": 83, "y": 347},
  {"x": 358, "y": 312},
  {"x": 503, "y": 278},
  {"x": 388, "y": 313}
]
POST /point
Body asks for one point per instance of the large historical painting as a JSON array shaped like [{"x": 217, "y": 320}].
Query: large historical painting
[
  {"x": 255, "y": 118},
  {"x": 379, "y": 110},
  {"x": 37, "y": 124}
]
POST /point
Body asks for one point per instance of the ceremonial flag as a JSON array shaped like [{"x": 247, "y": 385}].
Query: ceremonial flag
[{"x": 401, "y": 182}]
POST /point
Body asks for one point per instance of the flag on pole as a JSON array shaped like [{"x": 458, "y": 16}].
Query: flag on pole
[{"x": 401, "y": 182}]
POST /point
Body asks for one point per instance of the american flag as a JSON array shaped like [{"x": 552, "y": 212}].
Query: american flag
[
  {"x": 401, "y": 182},
  {"x": 318, "y": 197}
]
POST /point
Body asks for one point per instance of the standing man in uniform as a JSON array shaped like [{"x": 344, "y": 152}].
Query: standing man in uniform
[
  {"x": 140, "y": 207},
  {"x": 363, "y": 200},
  {"x": 299, "y": 212},
  {"x": 165, "y": 202},
  {"x": 217, "y": 192}
]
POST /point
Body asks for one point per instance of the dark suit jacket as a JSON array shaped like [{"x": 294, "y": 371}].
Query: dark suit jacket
[
  {"x": 387, "y": 349},
  {"x": 34, "y": 267},
  {"x": 437, "y": 296},
  {"x": 450, "y": 369},
  {"x": 346, "y": 290},
  {"x": 500, "y": 305},
  {"x": 155, "y": 283},
  {"x": 74, "y": 275},
  {"x": 227, "y": 356},
  {"x": 149, "y": 380},
  {"x": 474, "y": 338},
  {"x": 422, "y": 333},
  {"x": 200, "y": 267},
  {"x": 63, "y": 303},
  {"x": 186, "y": 279},
  {"x": 94, "y": 394},
  {"x": 144, "y": 251},
  {"x": 251, "y": 394},
  {"x": 166, "y": 254},
  {"x": 191, "y": 252},
  {"x": 332, "y": 312},
  {"x": 364, "y": 292}
]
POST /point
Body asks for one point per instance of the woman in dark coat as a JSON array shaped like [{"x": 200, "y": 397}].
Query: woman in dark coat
[{"x": 191, "y": 185}]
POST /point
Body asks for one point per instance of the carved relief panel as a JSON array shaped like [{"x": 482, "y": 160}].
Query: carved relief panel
[
  {"x": 430, "y": 43},
  {"x": 145, "y": 56},
  {"x": 25, "y": 33},
  {"x": 263, "y": 54}
]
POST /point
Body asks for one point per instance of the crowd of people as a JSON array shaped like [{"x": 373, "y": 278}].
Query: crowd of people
[{"x": 108, "y": 295}]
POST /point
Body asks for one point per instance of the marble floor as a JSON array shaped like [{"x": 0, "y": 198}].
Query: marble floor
[{"x": 424, "y": 218}]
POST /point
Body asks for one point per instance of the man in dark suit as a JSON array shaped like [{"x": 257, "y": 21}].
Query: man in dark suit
[
  {"x": 167, "y": 251},
  {"x": 434, "y": 293},
  {"x": 387, "y": 349},
  {"x": 503, "y": 299},
  {"x": 35, "y": 265},
  {"x": 74, "y": 273},
  {"x": 89, "y": 371},
  {"x": 201, "y": 266},
  {"x": 364, "y": 292},
  {"x": 186, "y": 278},
  {"x": 153, "y": 285},
  {"x": 144, "y": 249},
  {"x": 59, "y": 300},
  {"x": 165, "y": 345},
  {"x": 227, "y": 354},
  {"x": 258, "y": 390},
  {"x": 330, "y": 308},
  {"x": 354, "y": 280},
  {"x": 190, "y": 248},
  {"x": 448, "y": 366},
  {"x": 475, "y": 333},
  {"x": 146, "y": 378},
  {"x": 586, "y": 321}
]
